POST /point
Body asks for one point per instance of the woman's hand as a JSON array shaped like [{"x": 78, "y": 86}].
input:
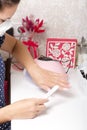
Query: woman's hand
[
  {"x": 24, "y": 109},
  {"x": 47, "y": 79}
]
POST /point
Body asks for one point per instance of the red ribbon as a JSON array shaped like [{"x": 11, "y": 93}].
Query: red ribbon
[{"x": 33, "y": 44}]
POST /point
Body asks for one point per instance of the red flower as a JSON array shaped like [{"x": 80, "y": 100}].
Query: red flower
[
  {"x": 21, "y": 29},
  {"x": 38, "y": 25},
  {"x": 31, "y": 26}
]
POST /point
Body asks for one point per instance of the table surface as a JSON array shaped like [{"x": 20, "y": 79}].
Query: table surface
[{"x": 66, "y": 110}]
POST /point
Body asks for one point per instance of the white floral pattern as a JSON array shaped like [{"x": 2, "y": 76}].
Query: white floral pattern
[{"x": 63, "y": 50}]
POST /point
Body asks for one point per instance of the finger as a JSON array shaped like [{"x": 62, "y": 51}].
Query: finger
[
  {"x": 59, "y": 81},
  {"x": 45, "y": 87},
  {"x": 59, "y": 78},
  {"x": 59, "y": 75},
  {"x": 35, "y": 114},
  {"x": 39, "y": 112},
  {"x": 63, "y": 84},
  {"x": 41, "y": 101},
  {"x": 41, "y": 108},
  {"x": 56, "y": 78},
  {"x": 62, "y": 77}
]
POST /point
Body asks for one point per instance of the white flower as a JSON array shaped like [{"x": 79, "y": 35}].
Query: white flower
[
  {"x": 56, "y": 52},
  {"x": 66, "y": 46}
]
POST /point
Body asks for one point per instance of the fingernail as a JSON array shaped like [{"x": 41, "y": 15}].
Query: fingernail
[
  {"x": 69, "y": 85},
  {"x": 48, "y": 89}
]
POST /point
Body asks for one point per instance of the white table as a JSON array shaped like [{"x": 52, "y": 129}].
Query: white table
[{"x": 66, "y": 110}]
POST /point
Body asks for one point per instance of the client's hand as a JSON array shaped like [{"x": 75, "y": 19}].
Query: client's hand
[
  {"x": 47, "y": 79},
  {"x": 24, "y": 109}
]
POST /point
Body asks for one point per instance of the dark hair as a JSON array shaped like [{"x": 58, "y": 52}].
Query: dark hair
[{"x": 4, "y": 3}]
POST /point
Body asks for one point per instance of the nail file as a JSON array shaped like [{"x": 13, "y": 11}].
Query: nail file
[{"x": 51, "y": 91}]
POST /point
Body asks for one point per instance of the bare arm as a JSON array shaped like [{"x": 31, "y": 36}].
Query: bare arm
[
  {"x": 23, "y": 109},
  {"x": 43, "y": 78},
  {"x": 18, "y": 50},
  {"x": 3, "y": 116}
]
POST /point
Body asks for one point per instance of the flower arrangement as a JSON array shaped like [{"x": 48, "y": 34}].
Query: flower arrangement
[{"x": 30, "y": 27}]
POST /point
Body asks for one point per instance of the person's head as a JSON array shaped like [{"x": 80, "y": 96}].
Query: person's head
[{"x": 7, "y": 9}]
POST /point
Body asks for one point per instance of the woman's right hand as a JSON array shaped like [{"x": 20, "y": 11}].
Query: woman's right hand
[{"x": 27, "y": 108}]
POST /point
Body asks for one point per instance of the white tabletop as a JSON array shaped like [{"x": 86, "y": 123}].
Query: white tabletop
[{"x": 66, "y": 110}]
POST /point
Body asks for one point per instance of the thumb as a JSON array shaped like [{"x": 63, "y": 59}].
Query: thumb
[{"x": 45, "y": 87}]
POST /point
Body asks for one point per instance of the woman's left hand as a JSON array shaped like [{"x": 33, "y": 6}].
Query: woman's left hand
[{"x": 47, "y": 79}]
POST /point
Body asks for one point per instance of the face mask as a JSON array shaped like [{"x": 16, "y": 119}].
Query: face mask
[{"x": 3, "y": 28}]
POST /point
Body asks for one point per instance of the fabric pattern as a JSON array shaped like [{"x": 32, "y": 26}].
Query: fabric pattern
[{"x": 7, "y": 125}]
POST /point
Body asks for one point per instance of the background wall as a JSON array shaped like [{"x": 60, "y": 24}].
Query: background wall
[{"x": 63, "y": 18}]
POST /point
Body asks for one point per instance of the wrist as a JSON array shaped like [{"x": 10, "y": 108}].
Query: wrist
[
  {"x": 4, "y": 114},
  {"x": 32, "y": 68}
]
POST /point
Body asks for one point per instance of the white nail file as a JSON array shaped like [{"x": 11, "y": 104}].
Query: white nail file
[{"x": 51, "y": 91}]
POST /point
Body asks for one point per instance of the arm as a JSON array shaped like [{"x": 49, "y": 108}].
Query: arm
[
  {"x": 3, "y": 116},
  {"x": 23, "y": 109},
  {"x": 18, "y": 50},
  {"x": 43, "y": 78}
]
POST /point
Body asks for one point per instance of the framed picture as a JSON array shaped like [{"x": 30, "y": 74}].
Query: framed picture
[{"x": 62, "y": 50}]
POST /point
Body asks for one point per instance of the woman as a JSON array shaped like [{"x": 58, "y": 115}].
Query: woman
[{"x": 27, "y": 108}]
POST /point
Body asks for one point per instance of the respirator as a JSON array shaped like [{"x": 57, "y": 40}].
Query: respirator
[{"x": 3, "y": 28}]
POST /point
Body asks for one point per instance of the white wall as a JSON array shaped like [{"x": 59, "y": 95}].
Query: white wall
[{"x": 63, "y": 18}]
